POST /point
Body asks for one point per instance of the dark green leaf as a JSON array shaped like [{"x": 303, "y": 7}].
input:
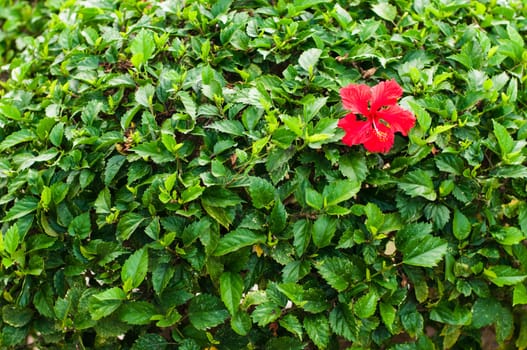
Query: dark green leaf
[
  {"x": 317, "y": 328},
  {"x": 231, "y": 290},
  {"x": 128, "y": 224},
  {"x": 206, "y": 311},
  {"x": 236, "y": 240}
]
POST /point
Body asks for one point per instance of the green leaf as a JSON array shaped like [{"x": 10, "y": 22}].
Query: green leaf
[
  {"x": 461, "y": 225},
  {"x": 450, "y": 163},
  {"x": 485, "y": 311},
  {"x": 366, "y": 305},
  {"x": 11, "y": 240},
  {"x": 301, "y": 236},
  {"x": 385, "y": 10},
  {"x": 309, "y": 58},
  {"x": 231, "y": 290},
  {"x": 505, "y": 140},
  {"x": 343, "y": 323},
  {"x": 10, "y": 111},
  {"x": 150, "y": 341},
  {"x": 236, "y": 240},
  {"x": 502, "y": 275},
  {"x": 291, "y": 323},
  {"x": 241, "y": 323},
  {"x": 104, "y": 303},
  {"x": 519, "y": 295},
  {"x": 354, "y": 167},
  {"x": 80, "y": 226},
  {"x": 155, "y": 151},
  {"x": 206, "y": 311},
  {"x": 262, "y": 192},
  {"x": 317, "y": 328},
  {"x": 134, "y": 269},
  {"x": 137, "y": 312},
  {"x": 419, "y": 247},
  {"x": 324, "y": 229},
  {"x": 510, "y": 171},
  {"x": 339, "y": 191},
  {"x": 278, "y": 218},
  {"x": 162, "y": 274},
  {"x": 16, "y": 316},
  {"x": 128, "y": 224},
  {"x": 21, "y": 208},
  {"x": 388, "y": 313},
  {"x": 232, "y": 127},
  {"x": 314, "y": 199},
  {"x": 112, "y": 168},
  {"x": 265, "y": 313},
  {"x": 16, "y": 138},
  {"x": 142, "y": 47},
  {"x": 335, "y": 271},
  {"x": 507, "y": 235},
  {"x": 220, "y": 197},
  {"x": 456, "y": 316},
  {"x": 418, "y": 183}
]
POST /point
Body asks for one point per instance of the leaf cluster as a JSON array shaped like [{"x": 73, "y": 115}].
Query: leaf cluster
[{"x": 172, "y": 176}]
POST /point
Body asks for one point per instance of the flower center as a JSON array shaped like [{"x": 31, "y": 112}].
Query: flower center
[{"x": 382, "y": 136}]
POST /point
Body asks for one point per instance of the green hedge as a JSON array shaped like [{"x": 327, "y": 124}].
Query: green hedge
[{"x": 172, "y": 175}]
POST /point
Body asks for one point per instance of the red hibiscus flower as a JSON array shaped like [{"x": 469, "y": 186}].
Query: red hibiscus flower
[{"x": 381, "y": 116}]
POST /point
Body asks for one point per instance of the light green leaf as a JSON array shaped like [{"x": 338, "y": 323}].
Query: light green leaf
[
  {"x": 385, "y": 10},
  {"x": 145, "y": 95},
  {"x": 142, "y": 47},
  {"x": 16, "y": 138},
  {"x": 104, "y": 303},
  {"x": 519, "y": 295},
  {"x": 134, "y": 269},
  {"x": 504, "y": 138},
  {"x": 241, "y": 323},
  {"x": 508, "y": 235},
  {"x": 502, "y": 275},
  {"x": 309, "y": 58}
]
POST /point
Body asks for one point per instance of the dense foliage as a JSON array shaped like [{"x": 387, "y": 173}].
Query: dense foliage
[{"x": 172, "y": 175}]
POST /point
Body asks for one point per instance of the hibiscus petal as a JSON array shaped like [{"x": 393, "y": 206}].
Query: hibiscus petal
[
  {"x": 385, "y": 93},
  {"x": 357, "y": 131},
  {"x": 355, "y": 97},
  {"x": 380, "y": 140},
  {"x": 399, "y": 119}
]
